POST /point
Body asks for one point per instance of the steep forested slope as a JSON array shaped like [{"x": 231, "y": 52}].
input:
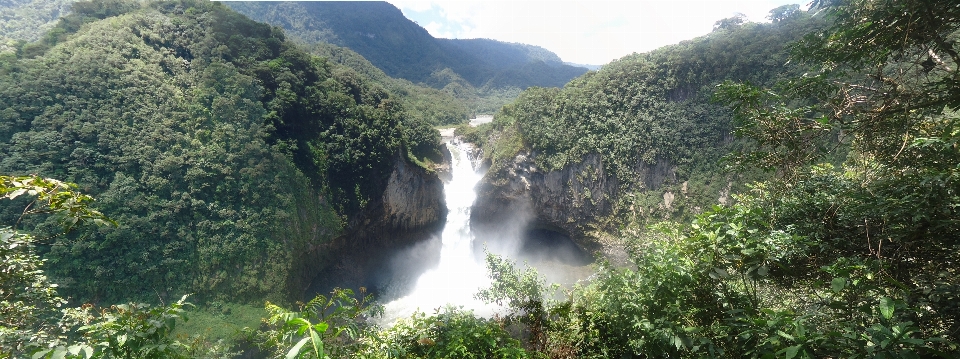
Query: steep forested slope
[
  {"x": 222, "y": 149},
  {"x": 421, "y": 102},
  {"x": 841, "y": 251},
  {"x": 27, "y": 20},
  {"x": 649, "y": 119},
  {"x": 846, "y": 247}
]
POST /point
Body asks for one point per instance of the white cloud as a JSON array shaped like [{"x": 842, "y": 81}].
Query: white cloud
[
  {"x": 592, "y": 32},
  {"x": 435, "y": 29}
]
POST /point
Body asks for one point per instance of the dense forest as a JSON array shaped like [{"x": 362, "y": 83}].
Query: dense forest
[
  {"x": 223, "y": 148},
  {"x": 200, "y": 151},
  {"x": 427, "y": 104},
  {"x": 652, "y": 119},
  {"x": 841, "y": 244},
  {"x": 26, "y": 20}
]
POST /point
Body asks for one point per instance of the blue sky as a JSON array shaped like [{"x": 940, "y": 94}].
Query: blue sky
[{"x": 586, "y": 32}]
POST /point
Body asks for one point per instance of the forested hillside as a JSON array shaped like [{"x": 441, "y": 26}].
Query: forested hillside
[
  {"x": 222, "y": 149},
  {"x": 842, "y": 244},
  {"x": 28, "y": 20},
  {"x": 472, "y": 70},
  {"x": 651, "y": 120},
  {"x": 421, "y": 102},
  {"x": 780, "y": 190}
]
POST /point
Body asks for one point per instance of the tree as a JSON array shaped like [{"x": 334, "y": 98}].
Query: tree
[
  {"x": 31, "y": 322},
  {"x": 27, "y": 298},
  {"x": 784, "y": 12},
  {"x": 886, "y": 87},
  {"x": 314, "y": 332},
  {"x": 730, "y": 22},
  {"x": 888, "y": 71},
  {"x": 524, "y": 292}
]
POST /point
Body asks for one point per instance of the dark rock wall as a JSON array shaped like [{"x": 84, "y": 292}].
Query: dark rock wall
[
  {"x": 569, "y": 200},
  {"x": 412, "y": 209}
]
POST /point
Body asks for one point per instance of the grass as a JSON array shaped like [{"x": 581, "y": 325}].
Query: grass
[{"x": 221, "y": 321}]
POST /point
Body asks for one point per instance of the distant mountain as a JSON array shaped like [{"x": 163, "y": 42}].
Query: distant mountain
[
  {"x": 380, "y": 33},
  {"x": 504, "y": 54},
  {"x": 27, "y": 20},
  {"x": 589, "y": 67}
]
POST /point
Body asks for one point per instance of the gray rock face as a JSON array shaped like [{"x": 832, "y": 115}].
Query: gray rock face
[
  {"x": 568, "y": 200},
  {"x": 411, "y": 209},
  {"x": 413, "y": 199}
]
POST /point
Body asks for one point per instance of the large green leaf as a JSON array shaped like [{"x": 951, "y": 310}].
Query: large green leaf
[
  {"x": 886, "y": 307},
  {"x": 295, "y": 351}
]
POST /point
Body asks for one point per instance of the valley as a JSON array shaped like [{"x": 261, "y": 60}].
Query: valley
[{"x": 195, "y": 179}]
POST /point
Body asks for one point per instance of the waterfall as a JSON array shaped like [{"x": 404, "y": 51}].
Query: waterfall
[{"x": 459, "y": 275}]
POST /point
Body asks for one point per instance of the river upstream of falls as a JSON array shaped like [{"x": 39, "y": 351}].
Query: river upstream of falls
[{"x": 459, "y": 275}]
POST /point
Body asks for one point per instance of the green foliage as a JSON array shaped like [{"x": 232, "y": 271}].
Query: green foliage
[
  {"x": 635, "y": 109},
  {"x": 29, "y": 298},
  {"x": 650, "y": 119},
  {"x": 423, "y": 141},
  {"x": 524, "y": 293},
  {"x": 737, "y": 284},
  {"x": 220, "y": 321},
  {"x": 443, "y": 80},
  {"x": 29, "y": 20},
  {"x": 206, "y": 171},
  {"x": 421, "y": 103},
  {"x": 223, "y": 149},
  {"x": 785, "y": 137},
  {"x": 29, "y": 325},
  {"x": 448, "y": 333},
  {"x": 132, "y": 330},
  {"x": 879, "y": 228},
  {"x": 848, "y": 260},
  {"x": 52, "y": 197},
  {"x": 475, "y": 135},
  {"x": 333, "y": 323}
]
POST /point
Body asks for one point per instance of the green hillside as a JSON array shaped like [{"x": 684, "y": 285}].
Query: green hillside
[
  {"x": 28, "y": 20},
  {"x": 430, "y": 105},
  {"x": 843, "y": 243},
  {"x": 653, "y": 110},
  {"x": 223, "y": 149}
]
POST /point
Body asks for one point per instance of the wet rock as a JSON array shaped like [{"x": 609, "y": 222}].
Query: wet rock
[
  {"x": 571, "y": 200},
  {"x": 410, "y": 210},
  {"x": 568, "y": 201}
]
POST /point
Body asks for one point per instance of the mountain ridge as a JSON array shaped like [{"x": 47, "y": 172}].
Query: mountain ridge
[{"x": 401, "y": 48}]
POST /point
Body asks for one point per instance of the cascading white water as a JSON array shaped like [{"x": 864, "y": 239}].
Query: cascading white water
[{"x": 459, "y": 275}]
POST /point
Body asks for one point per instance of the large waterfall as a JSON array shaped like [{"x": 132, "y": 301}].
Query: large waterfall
[{"x": 459, "y": 275}]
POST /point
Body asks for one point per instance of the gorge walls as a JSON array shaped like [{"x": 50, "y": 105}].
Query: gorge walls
[
  {"x": 568, "y": 200},
  {"x": 411, "y": 208}
]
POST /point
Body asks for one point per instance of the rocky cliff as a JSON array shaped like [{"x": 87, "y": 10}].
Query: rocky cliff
[
  {"x": 571, "y": 201},
  {"x": 568, "y": 201},
  {"x": 411, "y": 209}
]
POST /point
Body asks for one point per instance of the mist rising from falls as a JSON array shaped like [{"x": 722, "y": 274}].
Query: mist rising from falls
[{"x": 459, "y": 274}]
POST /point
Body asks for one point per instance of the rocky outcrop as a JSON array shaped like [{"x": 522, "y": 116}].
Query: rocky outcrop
[
  {"x": 413, "y": 199},
  {"x": 568, "y": 200},
  {"x": 411, "y": 209}
]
